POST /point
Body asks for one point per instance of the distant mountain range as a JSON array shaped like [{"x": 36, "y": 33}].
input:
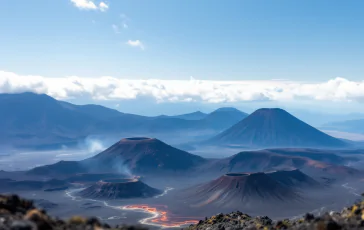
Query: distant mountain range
[
  {"x": 353, "y": 126},
  {"x": 275, "y": 128},
  {"x": 28, "y": 119},
  {"x": 198, "y": 115}
]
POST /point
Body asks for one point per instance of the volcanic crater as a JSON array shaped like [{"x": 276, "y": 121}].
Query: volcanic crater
[
  {"x": 241, "y": 189},
  {"x": 119, "y": 188}
]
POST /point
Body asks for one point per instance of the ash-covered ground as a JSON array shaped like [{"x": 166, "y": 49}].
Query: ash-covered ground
[{"x": 170, "y": 210}]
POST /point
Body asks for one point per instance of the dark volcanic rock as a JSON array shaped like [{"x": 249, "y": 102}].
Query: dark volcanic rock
[
  {"x": 119, "y": 189},
  {"x": 275, "y": 128},
  {"x": 349, "y": 218}
]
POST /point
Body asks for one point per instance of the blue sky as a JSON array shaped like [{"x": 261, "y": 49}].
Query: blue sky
[
  {"x": 239, "y": 40},
  {"x": 207, "y": 39}
]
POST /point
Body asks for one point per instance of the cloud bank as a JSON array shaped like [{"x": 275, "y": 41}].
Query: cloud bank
[
  {"x": 111, "y": 88},
  {"x": 135, "y": 43}
]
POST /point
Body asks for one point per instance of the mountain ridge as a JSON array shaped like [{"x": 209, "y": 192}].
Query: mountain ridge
[{"x": 30, "y": 119}]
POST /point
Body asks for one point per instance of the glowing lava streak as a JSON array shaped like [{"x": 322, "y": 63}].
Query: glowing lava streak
[{"x": 159, "y": 218}]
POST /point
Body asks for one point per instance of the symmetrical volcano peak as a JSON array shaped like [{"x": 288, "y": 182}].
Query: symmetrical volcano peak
[{"x": 275, "y": 128}]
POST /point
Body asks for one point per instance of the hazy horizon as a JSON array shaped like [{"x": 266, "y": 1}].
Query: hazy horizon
[{"x": 165, "y": 58}]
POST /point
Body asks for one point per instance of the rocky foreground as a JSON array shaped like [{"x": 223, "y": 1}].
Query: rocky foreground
[
  {"x": 349, "y": 218},
  {"x": 21, "y": 214}
]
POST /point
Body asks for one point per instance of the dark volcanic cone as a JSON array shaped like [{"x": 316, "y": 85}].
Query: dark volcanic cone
[
  {"x": 137, "y": 155},
  {"x": 240, "y": 189},
  {"x": 275, "y": 128},
  {"x": 119, "y": 189},
  {"x": 143, "y": 155}
]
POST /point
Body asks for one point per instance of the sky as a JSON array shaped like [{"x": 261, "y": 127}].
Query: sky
[{"x": 175, "y": 56}]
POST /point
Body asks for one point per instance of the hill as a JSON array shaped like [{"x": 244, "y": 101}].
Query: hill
[
  {"x": 264, "y": 160},
  {"x": 143, "y": 155},
  {"x": 29, "y": 119},
  {"x": 275, "y": 128}
]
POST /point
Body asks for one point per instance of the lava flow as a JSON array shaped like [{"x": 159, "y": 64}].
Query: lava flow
[{"x": 159, "y": 218}]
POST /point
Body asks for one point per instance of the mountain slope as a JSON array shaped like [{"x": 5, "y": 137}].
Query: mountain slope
[
  {"x": 275, "y": 128},
  {"x": 223, "y": 118},
  {"x": 30, "y": 120},
  {"x": 32, "y": 114}
]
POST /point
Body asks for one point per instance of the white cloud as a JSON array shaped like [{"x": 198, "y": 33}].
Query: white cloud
[
  {"x": 116, "y": 29},
  {"x": 192, "y": 90},
  {"x": 90, "y": 5},
  {"x": 103, "y": 6},
  {"x": 135, "y": 43},
  {"x": 84, "y": 4}
]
